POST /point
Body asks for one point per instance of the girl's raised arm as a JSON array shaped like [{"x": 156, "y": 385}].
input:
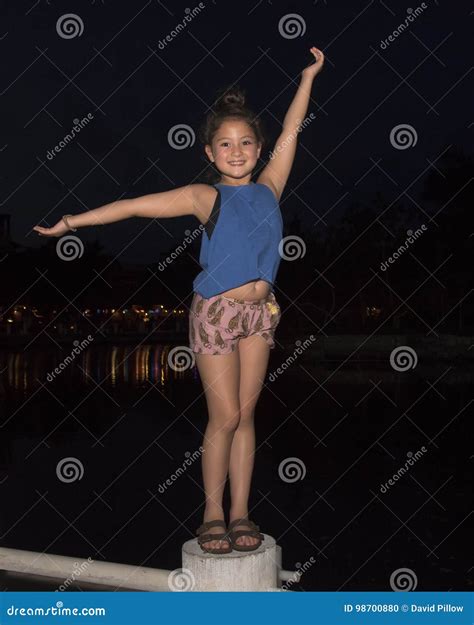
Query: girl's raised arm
[
  {"x": 174, "y": 203},
  {"x": 277, "y": 171}
]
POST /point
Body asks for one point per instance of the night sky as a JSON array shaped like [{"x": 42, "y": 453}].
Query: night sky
[{"x": 134, "y": 92}]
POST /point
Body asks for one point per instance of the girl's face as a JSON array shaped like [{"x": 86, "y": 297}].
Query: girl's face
[{"x": 234, "y": 151}]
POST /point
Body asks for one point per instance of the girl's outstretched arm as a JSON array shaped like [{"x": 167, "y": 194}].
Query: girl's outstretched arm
[
  {"x": 276, "y": 173},
  {"x": 174, "y": 203}
]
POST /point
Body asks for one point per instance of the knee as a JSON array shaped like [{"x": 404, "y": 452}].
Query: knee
[
  {"x": 229, "y": 421},
  {"x": 246, "y": 417}
]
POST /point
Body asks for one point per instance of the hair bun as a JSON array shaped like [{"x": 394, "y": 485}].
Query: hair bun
[{"x": 232, "y": 99}]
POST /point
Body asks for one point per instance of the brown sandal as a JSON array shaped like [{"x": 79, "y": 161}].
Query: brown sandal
[
  {"x": 235, "y": 534},
  {"x": 205, "y": 538}
]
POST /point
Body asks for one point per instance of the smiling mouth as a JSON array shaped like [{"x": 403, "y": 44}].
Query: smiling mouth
[{"x": 236, "y": 163}]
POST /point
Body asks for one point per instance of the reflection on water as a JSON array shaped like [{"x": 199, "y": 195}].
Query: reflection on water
[
  {"x": 108, "y": 365},
  {"x": 133, "y": 366}
]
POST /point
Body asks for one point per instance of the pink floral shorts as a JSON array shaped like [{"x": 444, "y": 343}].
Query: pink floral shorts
[{"x": 217, "y": 323}]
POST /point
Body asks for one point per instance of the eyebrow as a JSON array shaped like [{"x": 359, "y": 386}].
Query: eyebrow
[{"x": 244, "y": 137}]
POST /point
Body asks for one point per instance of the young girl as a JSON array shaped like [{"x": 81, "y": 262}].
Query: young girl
[{"x": 234, "y": 311}]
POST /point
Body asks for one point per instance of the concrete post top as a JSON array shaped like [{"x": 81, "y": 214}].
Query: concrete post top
[
  {"x": 256, "y": 570},
  {"x": 192, "y": 548}
]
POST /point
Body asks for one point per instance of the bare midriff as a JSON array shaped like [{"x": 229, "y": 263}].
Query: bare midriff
[{"x": 253, "y": 290}]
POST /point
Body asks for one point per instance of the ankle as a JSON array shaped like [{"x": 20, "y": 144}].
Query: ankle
[
  {"x": 238, "y": 514},
  {"x": 213, "y": 512}
]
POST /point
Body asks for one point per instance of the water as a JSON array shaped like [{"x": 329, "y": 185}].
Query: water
[{"x": 328, "y": 438}]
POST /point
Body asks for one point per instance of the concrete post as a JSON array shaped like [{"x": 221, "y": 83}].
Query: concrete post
[{"x": 236, "y": 571}]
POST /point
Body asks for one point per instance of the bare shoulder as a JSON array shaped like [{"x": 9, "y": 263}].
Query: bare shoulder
[
  {"x": 204, "y": 198},
  {"x": 265, "y": 180}
]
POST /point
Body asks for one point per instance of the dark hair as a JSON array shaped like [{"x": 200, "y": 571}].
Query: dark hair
[{"x": 230, "y": 103}]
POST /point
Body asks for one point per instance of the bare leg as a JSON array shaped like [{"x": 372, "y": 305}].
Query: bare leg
[
  {"x": 220, "y": 378},
  {"x": 254, "y": 354}
]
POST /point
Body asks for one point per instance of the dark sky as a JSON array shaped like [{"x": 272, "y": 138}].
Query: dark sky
[{"x": 135, "y": 92}]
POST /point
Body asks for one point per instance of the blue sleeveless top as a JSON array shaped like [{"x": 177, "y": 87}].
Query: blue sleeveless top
[{"x": 241, "y": 239}]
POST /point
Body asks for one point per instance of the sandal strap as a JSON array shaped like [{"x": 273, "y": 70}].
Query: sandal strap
[
  {"x": 246, "y": 522},
  {"x": 215, "y": 523},
  {"x": 238, "y": 533},
  {"x": 205, "y": 538}
]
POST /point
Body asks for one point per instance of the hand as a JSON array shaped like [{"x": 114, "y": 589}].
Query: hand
[
  {"x": 315, "y": 67},
  {"x": 56, "y": 231}
]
